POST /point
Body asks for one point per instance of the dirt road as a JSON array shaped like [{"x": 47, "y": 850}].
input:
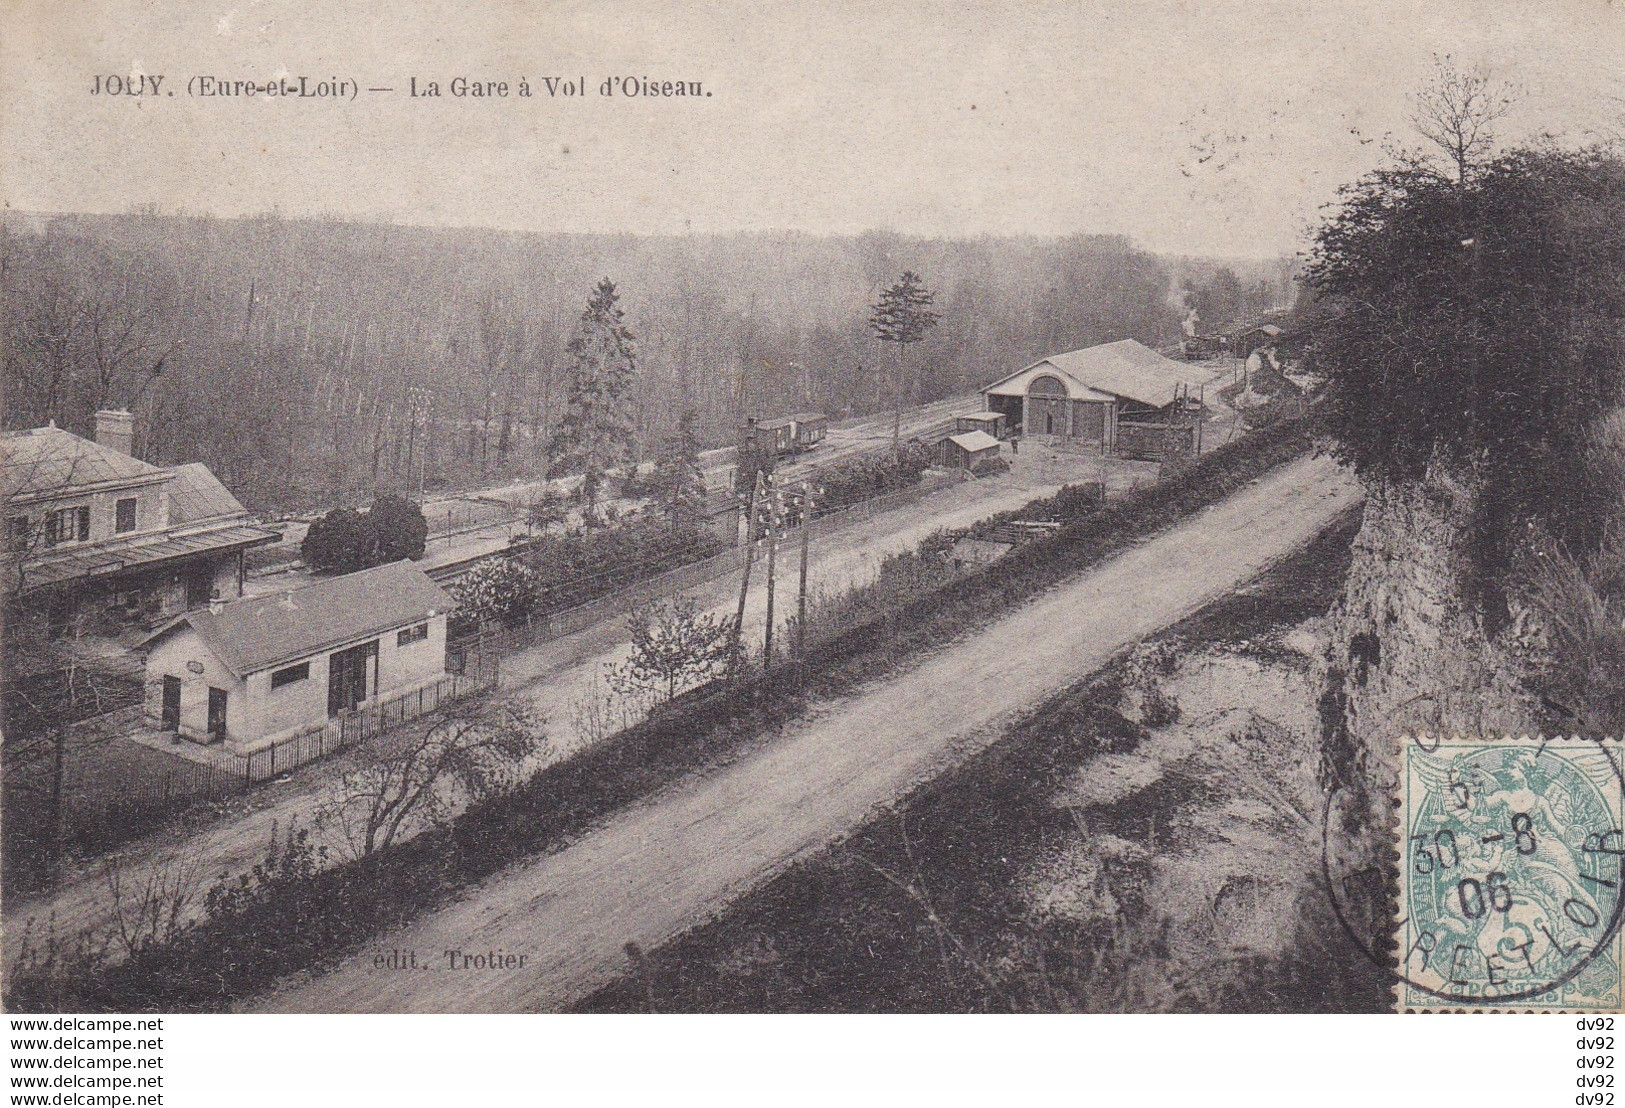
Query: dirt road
[
  {"x": 555, "y": 676},
  {"x": 651, "y": 871}
]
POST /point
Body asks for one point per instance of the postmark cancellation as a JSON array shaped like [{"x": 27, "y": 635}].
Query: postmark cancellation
[{"x": 1511, "y": 863}]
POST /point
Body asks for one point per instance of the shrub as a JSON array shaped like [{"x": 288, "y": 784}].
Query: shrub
[
  {"x": 1070, "y": 504},
  {"x": 1076, "y": 501},
  {"x": 344, "y": 540},
  {"x": 399, "y": 530},
  {"x": 340, "y": 542},
  {"x": 293, "y": 919},
  {"x": 674, "y": 646},
  {"x": 569, "y": 570},
  {"x": 550, "y": 509},
  {"x": 866, "y": 478},
  {"x": 502, "y": 590}
]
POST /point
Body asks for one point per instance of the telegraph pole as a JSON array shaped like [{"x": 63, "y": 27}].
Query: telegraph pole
[
  {"x": 772, "y": 560},
  {"x": 801, "y": 591},
  {"x": 750, "y": 551}
]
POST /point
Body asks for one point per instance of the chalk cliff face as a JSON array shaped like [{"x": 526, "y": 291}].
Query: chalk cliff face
[{"x": 1408, "y": 653}]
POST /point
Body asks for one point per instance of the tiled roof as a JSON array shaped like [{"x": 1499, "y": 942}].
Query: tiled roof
[
  {"x": 263, "y": 631},
  {"x": 197, "y": 494},
  {"x": 47, "y": 459},
  {"x": 1126, "y": 369}
]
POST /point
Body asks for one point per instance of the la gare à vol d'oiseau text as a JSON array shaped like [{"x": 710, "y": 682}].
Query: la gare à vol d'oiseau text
[{"x": 302, "y": 87}]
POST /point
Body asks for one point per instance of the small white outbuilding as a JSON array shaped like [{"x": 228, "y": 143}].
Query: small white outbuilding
[{"x": 255, "y": 671}]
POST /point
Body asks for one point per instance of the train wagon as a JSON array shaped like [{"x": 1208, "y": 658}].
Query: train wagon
[
  {"x": 810, "y": 429},
  {"x": 779, "y": 433},
  {"x": 792, "y": 434}
]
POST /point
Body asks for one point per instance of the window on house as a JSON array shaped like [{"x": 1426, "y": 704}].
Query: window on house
[
  {"x": 126, "y": 515},
  {"x": 288, "y": 676},
  {"x": 17, "y": 533},
  {"x": 67, "y": 525},
  {"x": 412, "y": 634}
]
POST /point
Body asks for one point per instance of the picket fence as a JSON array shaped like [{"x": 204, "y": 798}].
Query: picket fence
[
  {"x": 98, "y": 814},
  {"x": 495, "y": 640},
  {"x": 364, "y": 724}
]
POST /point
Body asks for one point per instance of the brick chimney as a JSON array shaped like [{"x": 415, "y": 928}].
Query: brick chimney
[{"x": 115, "y": 429}]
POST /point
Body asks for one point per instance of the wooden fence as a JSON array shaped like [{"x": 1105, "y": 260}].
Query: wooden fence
[
  {"x": 145, "y": 793},
  {"x": 102, "y": 811},
  {"x": 1155, "y": 440},
  {"x": 362, "y": 725},
  {"x": 496, "y": 640}
]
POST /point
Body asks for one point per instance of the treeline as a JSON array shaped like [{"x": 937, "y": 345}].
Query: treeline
[{"x": 311, "y": 362}]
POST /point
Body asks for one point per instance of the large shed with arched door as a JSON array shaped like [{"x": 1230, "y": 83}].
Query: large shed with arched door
[{"x": 1085, "y": 395}]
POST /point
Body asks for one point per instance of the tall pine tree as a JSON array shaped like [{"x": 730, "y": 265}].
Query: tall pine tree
[
  {"x": 902, "y": 317},
  {"x": 598, "y": 428}
]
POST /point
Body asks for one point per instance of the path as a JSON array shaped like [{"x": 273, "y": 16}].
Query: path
[
  {"x": 554, "y": 675},
  {"x": 651, "y": 871}
]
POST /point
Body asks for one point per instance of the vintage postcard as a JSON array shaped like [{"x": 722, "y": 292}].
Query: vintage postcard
[{"x": 1016, "y": 506}]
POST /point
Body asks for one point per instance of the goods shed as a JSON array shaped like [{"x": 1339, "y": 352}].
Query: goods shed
[
  {"x": 1088, "y": 394},
  {"x": 1244, "y": 342},
  {"x": 265, "y": 668}
]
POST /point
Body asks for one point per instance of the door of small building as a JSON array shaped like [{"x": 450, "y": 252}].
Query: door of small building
[
  {"x": 347, "y": 676},
  {"x": 172, "y": 703},
  {"x": 217, "y": 713}
]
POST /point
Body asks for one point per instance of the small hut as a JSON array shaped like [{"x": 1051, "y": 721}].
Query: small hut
[
  {"x": 993, "y": 423},
  {"x": 964, "y": 450}
]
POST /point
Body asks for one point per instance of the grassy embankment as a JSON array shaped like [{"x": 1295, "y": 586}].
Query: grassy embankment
[
  {"x": 292, "y": 918},
  {"x": 926, "y": 909}
]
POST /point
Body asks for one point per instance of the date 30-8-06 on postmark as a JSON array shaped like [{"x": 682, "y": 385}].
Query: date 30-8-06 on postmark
[{"x": 1511, "y": 873}]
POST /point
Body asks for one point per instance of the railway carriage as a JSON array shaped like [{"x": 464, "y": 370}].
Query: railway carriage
[{"x": 792, "y": 434}]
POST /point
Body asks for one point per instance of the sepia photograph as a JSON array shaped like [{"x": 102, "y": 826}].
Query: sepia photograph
[{"x": 904, "y": 507}]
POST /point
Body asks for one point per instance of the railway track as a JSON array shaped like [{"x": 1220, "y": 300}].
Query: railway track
[{"x": 849, "y": 440}]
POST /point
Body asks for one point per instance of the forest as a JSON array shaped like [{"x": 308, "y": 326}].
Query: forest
[{"x": 315, "y": 362}]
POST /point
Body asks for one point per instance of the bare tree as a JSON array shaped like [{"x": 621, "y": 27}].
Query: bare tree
[
  {"x": 1457, "y": 112},
  {"x": 85, "y": 329},
  {"x": 467, "y": 753},
  {"x": 155, "y": 907},
  {"x": 674, "y": 646}
]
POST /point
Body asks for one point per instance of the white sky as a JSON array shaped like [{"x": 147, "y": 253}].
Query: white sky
[{"x": 933, "y": 118}]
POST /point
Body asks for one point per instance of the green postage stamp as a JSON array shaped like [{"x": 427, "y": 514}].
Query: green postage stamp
[{"x": 1512, "y": 859}]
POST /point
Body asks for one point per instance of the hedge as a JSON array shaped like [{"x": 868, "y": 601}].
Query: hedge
[{"x": 311, "y": 923}]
